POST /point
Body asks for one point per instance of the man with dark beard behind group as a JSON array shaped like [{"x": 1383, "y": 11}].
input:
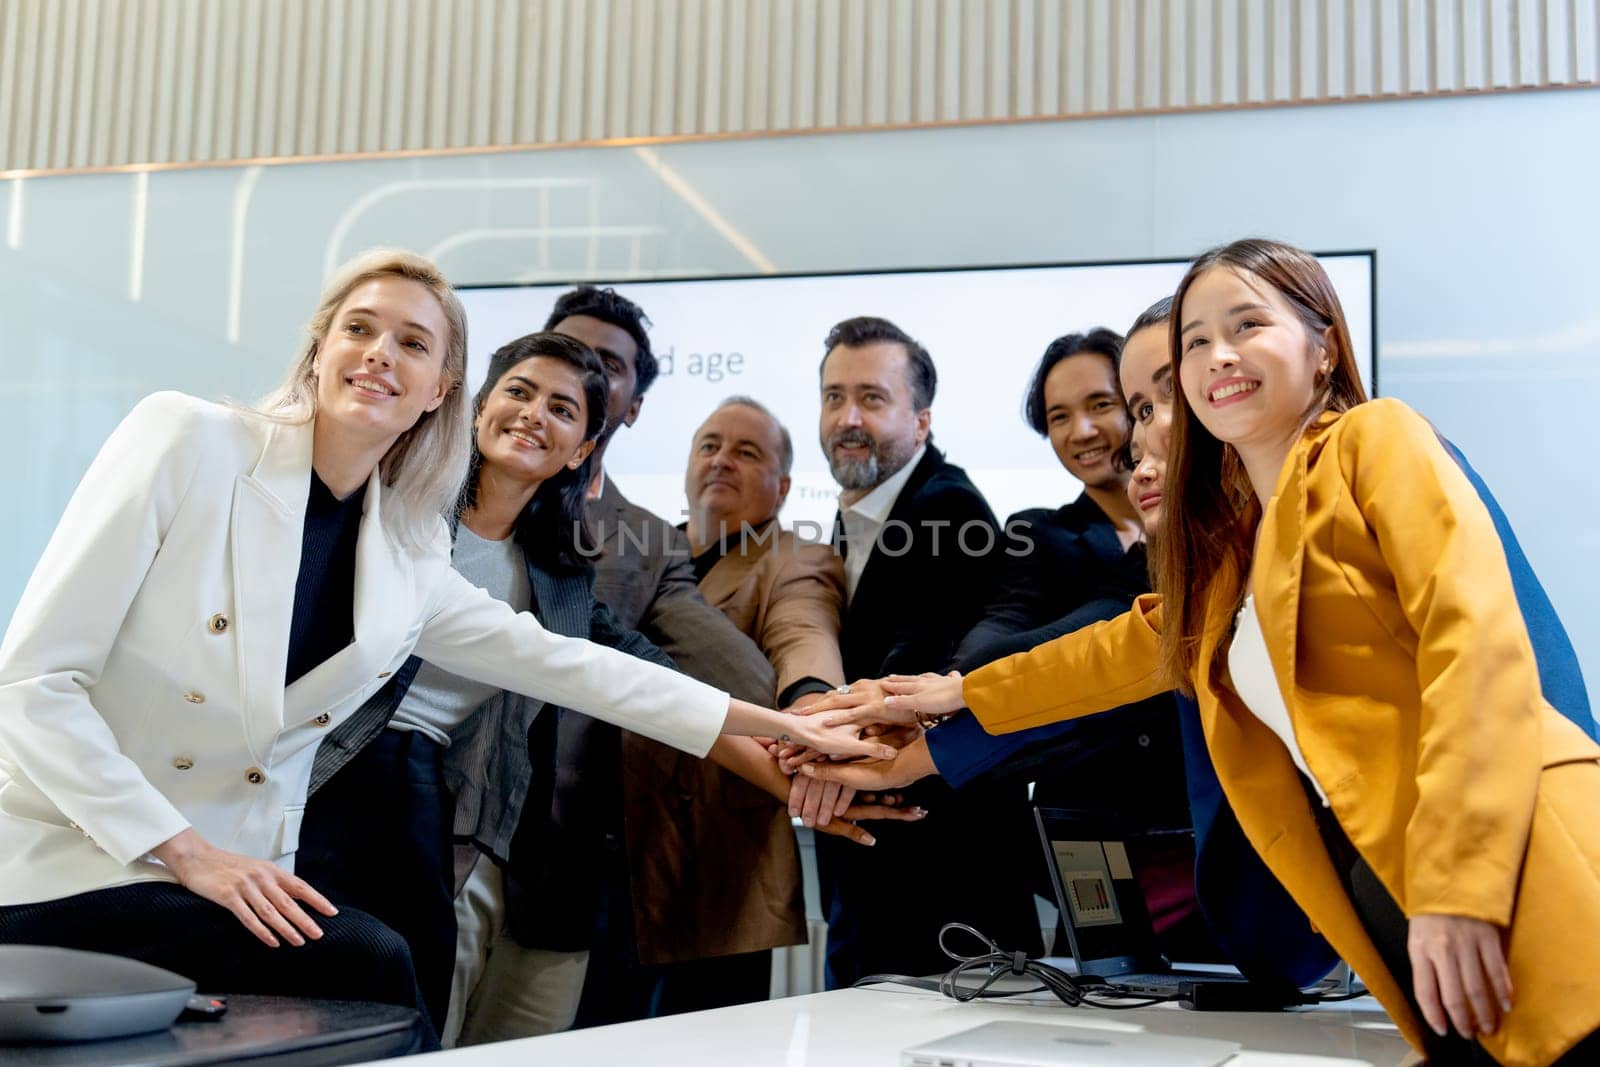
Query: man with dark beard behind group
[{"x": 921, "y": 556}]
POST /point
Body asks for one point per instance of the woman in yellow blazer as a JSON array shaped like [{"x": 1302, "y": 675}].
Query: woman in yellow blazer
[{"x": 1455, "y": 858}]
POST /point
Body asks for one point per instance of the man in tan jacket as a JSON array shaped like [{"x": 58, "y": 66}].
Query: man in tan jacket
[{"x": 785, "y": 593}]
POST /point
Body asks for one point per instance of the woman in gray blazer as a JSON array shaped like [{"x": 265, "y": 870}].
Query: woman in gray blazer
[{"x": 225, "y": 586}]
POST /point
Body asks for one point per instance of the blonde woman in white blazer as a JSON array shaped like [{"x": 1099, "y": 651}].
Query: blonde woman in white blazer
[{"x": 154, "y": 726}]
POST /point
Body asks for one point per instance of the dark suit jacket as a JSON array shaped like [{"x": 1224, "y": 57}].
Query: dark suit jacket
[
  {"x": 1072, "y": 556},
  {"x": 909, "y": 611},
  {"x": 1075, "y": 559},
  {"x": 713, "y": 866},
  {"x": 911, "y": 608}
]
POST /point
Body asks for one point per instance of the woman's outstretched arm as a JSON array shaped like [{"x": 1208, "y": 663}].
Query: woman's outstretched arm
[
  {"x": 474, "y": 635},
  {"x": 1097, "y": 668}
]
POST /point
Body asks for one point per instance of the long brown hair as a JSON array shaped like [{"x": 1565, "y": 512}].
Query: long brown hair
[{"x": 1210, "y": 511}]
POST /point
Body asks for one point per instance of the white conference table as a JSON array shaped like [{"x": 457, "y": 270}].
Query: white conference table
[{"x": 870, "y": 1027}]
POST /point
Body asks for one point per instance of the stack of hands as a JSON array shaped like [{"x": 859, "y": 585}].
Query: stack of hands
[
  {"x": 831, "y": 793},
  {"x": 1459, "y": 973}
]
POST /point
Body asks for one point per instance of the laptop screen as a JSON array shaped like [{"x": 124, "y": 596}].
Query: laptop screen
[{"x": 1101, "y": 905}]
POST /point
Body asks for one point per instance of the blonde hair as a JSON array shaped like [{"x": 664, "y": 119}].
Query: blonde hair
[{"x": 423, "y": 470}]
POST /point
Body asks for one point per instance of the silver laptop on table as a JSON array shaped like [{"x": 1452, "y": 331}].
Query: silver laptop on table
[{"x": 1016, "y": 1044}]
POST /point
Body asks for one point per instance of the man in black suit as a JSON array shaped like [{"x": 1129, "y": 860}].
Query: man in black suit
[
  {"x": 1087, "y": 562},
  {"x": 921, "y": 556}
]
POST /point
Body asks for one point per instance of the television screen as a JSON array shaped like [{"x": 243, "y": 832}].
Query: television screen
[{"x": 762, "y": 337}]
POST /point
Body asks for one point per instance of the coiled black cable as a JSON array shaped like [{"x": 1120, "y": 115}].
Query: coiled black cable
[{"x": 973, "y": 977}]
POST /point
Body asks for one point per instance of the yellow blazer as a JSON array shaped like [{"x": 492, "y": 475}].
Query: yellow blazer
[{"x": 1394, "y": 634}]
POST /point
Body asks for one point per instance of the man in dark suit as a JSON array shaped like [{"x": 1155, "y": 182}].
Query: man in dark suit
[
  {"x": 659, "y": 946},
  {"x": 920, "y": 550},
  {"x": 1131, "y": 764}
]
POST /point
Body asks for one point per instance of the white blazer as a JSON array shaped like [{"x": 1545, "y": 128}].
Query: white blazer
[{"x": 141, "y": 678}]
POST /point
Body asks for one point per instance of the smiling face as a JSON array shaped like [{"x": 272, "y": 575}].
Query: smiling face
[
  {"x": 532, "y": 423},
  {"x": 1148, "y": 481},
  {"x": 735, "y": 470},
  {"x": 379, "y": 367},
  {"x": 1146, "y": 373},
  {"x": 869, "y": 428},
  {"x": 1250, "y": 367},
  {"x": 618, "y": 353},
  {"x": 1085, "y": 419}
]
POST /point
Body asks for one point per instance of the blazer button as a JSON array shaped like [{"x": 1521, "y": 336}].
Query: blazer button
[
  {"x": 218, "y": 623},
  {"x": 1144, "y": 740},
  {"x": 254, "y": 776},
  {"x": 323, "y": 719},
  {"x": 182, "y": 763},
  {"x": 384, "y": 674},
  {"x": 195, "y": 698}
]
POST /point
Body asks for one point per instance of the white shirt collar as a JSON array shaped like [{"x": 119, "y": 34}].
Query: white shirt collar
[{"x": 876, "y": 505}]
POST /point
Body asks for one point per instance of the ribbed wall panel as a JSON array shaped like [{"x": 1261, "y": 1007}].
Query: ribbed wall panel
[{"x": 95, "y": 83}]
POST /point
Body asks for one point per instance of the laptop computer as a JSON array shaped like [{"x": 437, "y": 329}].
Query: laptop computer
[
  {"x": 1108, "y": 927},
  {"x": 1018, "y": 1044}
]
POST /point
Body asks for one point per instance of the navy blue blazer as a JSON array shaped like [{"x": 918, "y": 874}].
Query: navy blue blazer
[
  {"x": 1076, "y": 560},
  {"x": 1072, "y": 556}
]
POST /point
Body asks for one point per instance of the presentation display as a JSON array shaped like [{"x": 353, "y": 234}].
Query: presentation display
[{"x": 762, "y": 337}]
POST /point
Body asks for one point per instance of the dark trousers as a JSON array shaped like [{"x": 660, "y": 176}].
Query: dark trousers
[
  {"x": 357, "y": 957},
  {"x": 377, "y": 836},
  {"x": 619, "y": 989},
  {"x": 1388, "y": 928},
  {"x": 971, "y": 860}
]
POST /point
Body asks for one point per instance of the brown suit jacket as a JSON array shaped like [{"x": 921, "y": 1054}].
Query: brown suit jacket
[
  {"x": 712, "y": 863},
  {"x": 787, "y": 595}
]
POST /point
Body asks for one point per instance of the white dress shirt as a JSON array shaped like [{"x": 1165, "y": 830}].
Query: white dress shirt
[{"x": 864, "y": 520}]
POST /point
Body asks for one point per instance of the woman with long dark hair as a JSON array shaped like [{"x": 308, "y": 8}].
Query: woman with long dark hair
[{"x": 1333, "y": 592}]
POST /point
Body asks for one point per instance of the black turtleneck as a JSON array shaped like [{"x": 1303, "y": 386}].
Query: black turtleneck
[{"x": 325, "y": 589}]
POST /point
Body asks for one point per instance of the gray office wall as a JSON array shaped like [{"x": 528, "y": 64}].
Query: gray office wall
[{"x": 1481, "y": 210}]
